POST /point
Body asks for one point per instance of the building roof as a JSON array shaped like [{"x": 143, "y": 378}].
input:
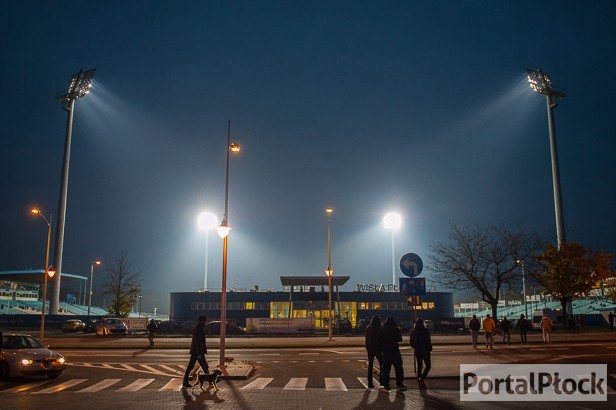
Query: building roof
[
  {"x": 313, "y": 280},
  {"x": 33, "y": 276}
]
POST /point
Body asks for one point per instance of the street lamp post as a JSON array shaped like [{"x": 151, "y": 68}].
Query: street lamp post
[
  {"x": 523, "y": 286},
  {"x": 393, "y": 222},
  {"x": 140, "y": 297},
  {"x": 223, "y": 232},
  {"x": 329, "y": 272},
  {"x": 80, "y": 86},
  {"x": 91, "y": 277},
  {"x": 47, "y": 270},
  {"x": 540, "y": 83},
  {"x": 206, "y": 221}
]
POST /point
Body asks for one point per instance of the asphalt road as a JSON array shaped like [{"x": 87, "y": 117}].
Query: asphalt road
[{"x": 301, "y": 378}]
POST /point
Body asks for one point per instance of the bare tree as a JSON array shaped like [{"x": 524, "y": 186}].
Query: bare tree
[
  {"x": 481, "y": 258},
  {"x": 123, "y": 284}
]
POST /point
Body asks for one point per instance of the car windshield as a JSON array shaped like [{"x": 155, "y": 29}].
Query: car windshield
[
  {"x": 21, "y": 342},
  {"x": 114, "y": 321}
]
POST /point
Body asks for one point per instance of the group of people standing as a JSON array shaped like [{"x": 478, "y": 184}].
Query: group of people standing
[
  {"x": 505, "y": 326},
  {"x": 383, "y": 343}
]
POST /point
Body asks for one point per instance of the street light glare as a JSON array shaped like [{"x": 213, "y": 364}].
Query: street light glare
[
  {"x": 223, "y": 231},
  {"x": 97, "y": 262},
  {"x": 79, "y": 86},
  {"x": 329, "y": 210},
  {"x": 234, "y": 147},
  {"x": 207, "y": 221},
  {"x": 392, "y": 221},
  {"x": 36, "y": 211}
]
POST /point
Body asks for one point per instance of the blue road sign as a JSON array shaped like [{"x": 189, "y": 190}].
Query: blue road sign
[
  {"x": 412, "y": 286},
  {"x": 411, "y": 265}
]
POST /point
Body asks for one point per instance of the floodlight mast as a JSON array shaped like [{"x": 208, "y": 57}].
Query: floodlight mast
[
  {"x": 79, "y": 86},
  {"x": 540, "y": 83}
]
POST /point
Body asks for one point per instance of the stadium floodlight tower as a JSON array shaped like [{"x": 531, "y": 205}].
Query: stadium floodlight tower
[
  {"x": 79, "y": 86},
  {"x": 540, "y": 83}
]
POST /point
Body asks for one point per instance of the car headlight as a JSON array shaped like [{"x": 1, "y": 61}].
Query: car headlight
[
  {"x": 26, "y": 362},
  {"x": 62, "y": 360}
]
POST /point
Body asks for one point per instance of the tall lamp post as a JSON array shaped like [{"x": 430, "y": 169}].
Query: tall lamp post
[
  {"x": 393, "y": 222},
  {"x": 329, "y": 272},
  {"x": 91, "y": 277},
  {"x": 521, "y": 262},
  {"x": 540, "y": 83},
  {"x": 223, "y": 232},
  {"x": 47, "y": 271},
  {"x": 206, "y": 221},
  {"x": 80, "y": 85}
]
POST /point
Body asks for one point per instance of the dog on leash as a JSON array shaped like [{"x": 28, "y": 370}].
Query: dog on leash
[{"x": 211, "y": 378}]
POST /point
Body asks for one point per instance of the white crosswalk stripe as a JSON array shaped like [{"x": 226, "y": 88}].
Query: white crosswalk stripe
[
  {"x": 99, "y": 386},
  {"x": 364, "y": 381},
  {"x": 296, "y": 383},
  {"x": 258, "y": 384},
  {"x": 24, "y": 387},
  {"x": 59, "y": 387},
  {"x": 137, "y": 385},
  {"x": 334, "y": 384},
  {"x": 172, "y": 385}
]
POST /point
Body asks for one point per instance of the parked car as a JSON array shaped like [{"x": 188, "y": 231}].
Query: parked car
[
  {"x": 90, "y": 325},
  {"x": 213, "y": 328},
  {"x": 23, "y": 355},
  {"x": 73, "y": 325},
  {"x": 111, "y": 326}
]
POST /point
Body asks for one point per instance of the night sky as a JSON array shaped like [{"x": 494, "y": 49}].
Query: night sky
[{"x": 368, "y": 107}]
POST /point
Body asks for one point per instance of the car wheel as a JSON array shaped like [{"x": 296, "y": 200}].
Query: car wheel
[{"x": 5, "y": 373}]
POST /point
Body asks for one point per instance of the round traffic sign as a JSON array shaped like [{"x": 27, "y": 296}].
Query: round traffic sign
[{"x": 411, "y": 265}]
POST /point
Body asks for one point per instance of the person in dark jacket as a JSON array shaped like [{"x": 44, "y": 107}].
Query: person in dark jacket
[
  {"x": 373, "y": 346},
  {"x": 152, "y": 328},
  {"x": 505, "y": 326},
  {"x": 422, "y": 344},
  {"x": 198, "y": 350},
  {"x": 390, "y": 337},
  {"x": 474, "y": 325},
  {"x": 524, "y": 328}
]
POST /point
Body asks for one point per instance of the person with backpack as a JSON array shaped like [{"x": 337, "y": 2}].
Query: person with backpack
[
  {"x": 474, "y": 326},
  {"x": 505, "y": 326},
  {"x": 152, "y": 329},
  {"x": 422, "y": 344}
]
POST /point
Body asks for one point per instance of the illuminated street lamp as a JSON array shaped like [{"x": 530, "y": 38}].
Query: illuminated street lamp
[
  {"x": 393, "y": 222},
  {"x": 223, "y": 232},
  {"x": 47, "y": 271},
  {"x": 206, "y": 221},
  {"x": 540, "y": 83},
  {"x": 91, "y": 277},
  {"x": 329, "y": 272},
  {"x": 80, "y": 86}
]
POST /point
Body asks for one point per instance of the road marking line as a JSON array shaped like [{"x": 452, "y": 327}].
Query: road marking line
[
  {"x": 99, "y": 386},
  {"x": 296, "y": 383},
  {"x": 61, "y": 386},
  {"x": 24, "y": 387},
  {"x": 269, "y": 354},
  {"x": 311, "y": 354},
  {"x": 364, "y": 381},
  {"x": 174, "y": 384},
  {"x": 334, "y": 384},
  {"x": 259, "y": 383},
  {"x": 137, "y": 385},
  {"x": 171, "y": 369}
]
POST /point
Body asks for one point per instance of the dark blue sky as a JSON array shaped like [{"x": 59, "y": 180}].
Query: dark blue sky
[{"x": 367, "y": 107}]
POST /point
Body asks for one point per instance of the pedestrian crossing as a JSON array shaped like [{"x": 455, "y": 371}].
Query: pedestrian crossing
[{"x": 46, "y": 387}]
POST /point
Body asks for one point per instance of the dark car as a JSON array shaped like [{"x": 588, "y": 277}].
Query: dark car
[
  {"x": 90, "y": 325},
  {"x": 213, "y": 328}
]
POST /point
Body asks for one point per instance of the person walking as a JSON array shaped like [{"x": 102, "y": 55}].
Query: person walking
[
  {"x": 546, "y": 328},
  {"x": 489, "y": 327},
  {"x": 523, "y": 327},
  {"x": 198, "y": 350},
  {"x": 505, "y": 326},
  {"x": 390, "y": 337},
  {"x": 611, "y": 319},
  {"x": 474, "y": 326},
  {"x": 422, "y": 344},
  {"x": 152, "y": 329},
  {"x": 373, "y": 347}
]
